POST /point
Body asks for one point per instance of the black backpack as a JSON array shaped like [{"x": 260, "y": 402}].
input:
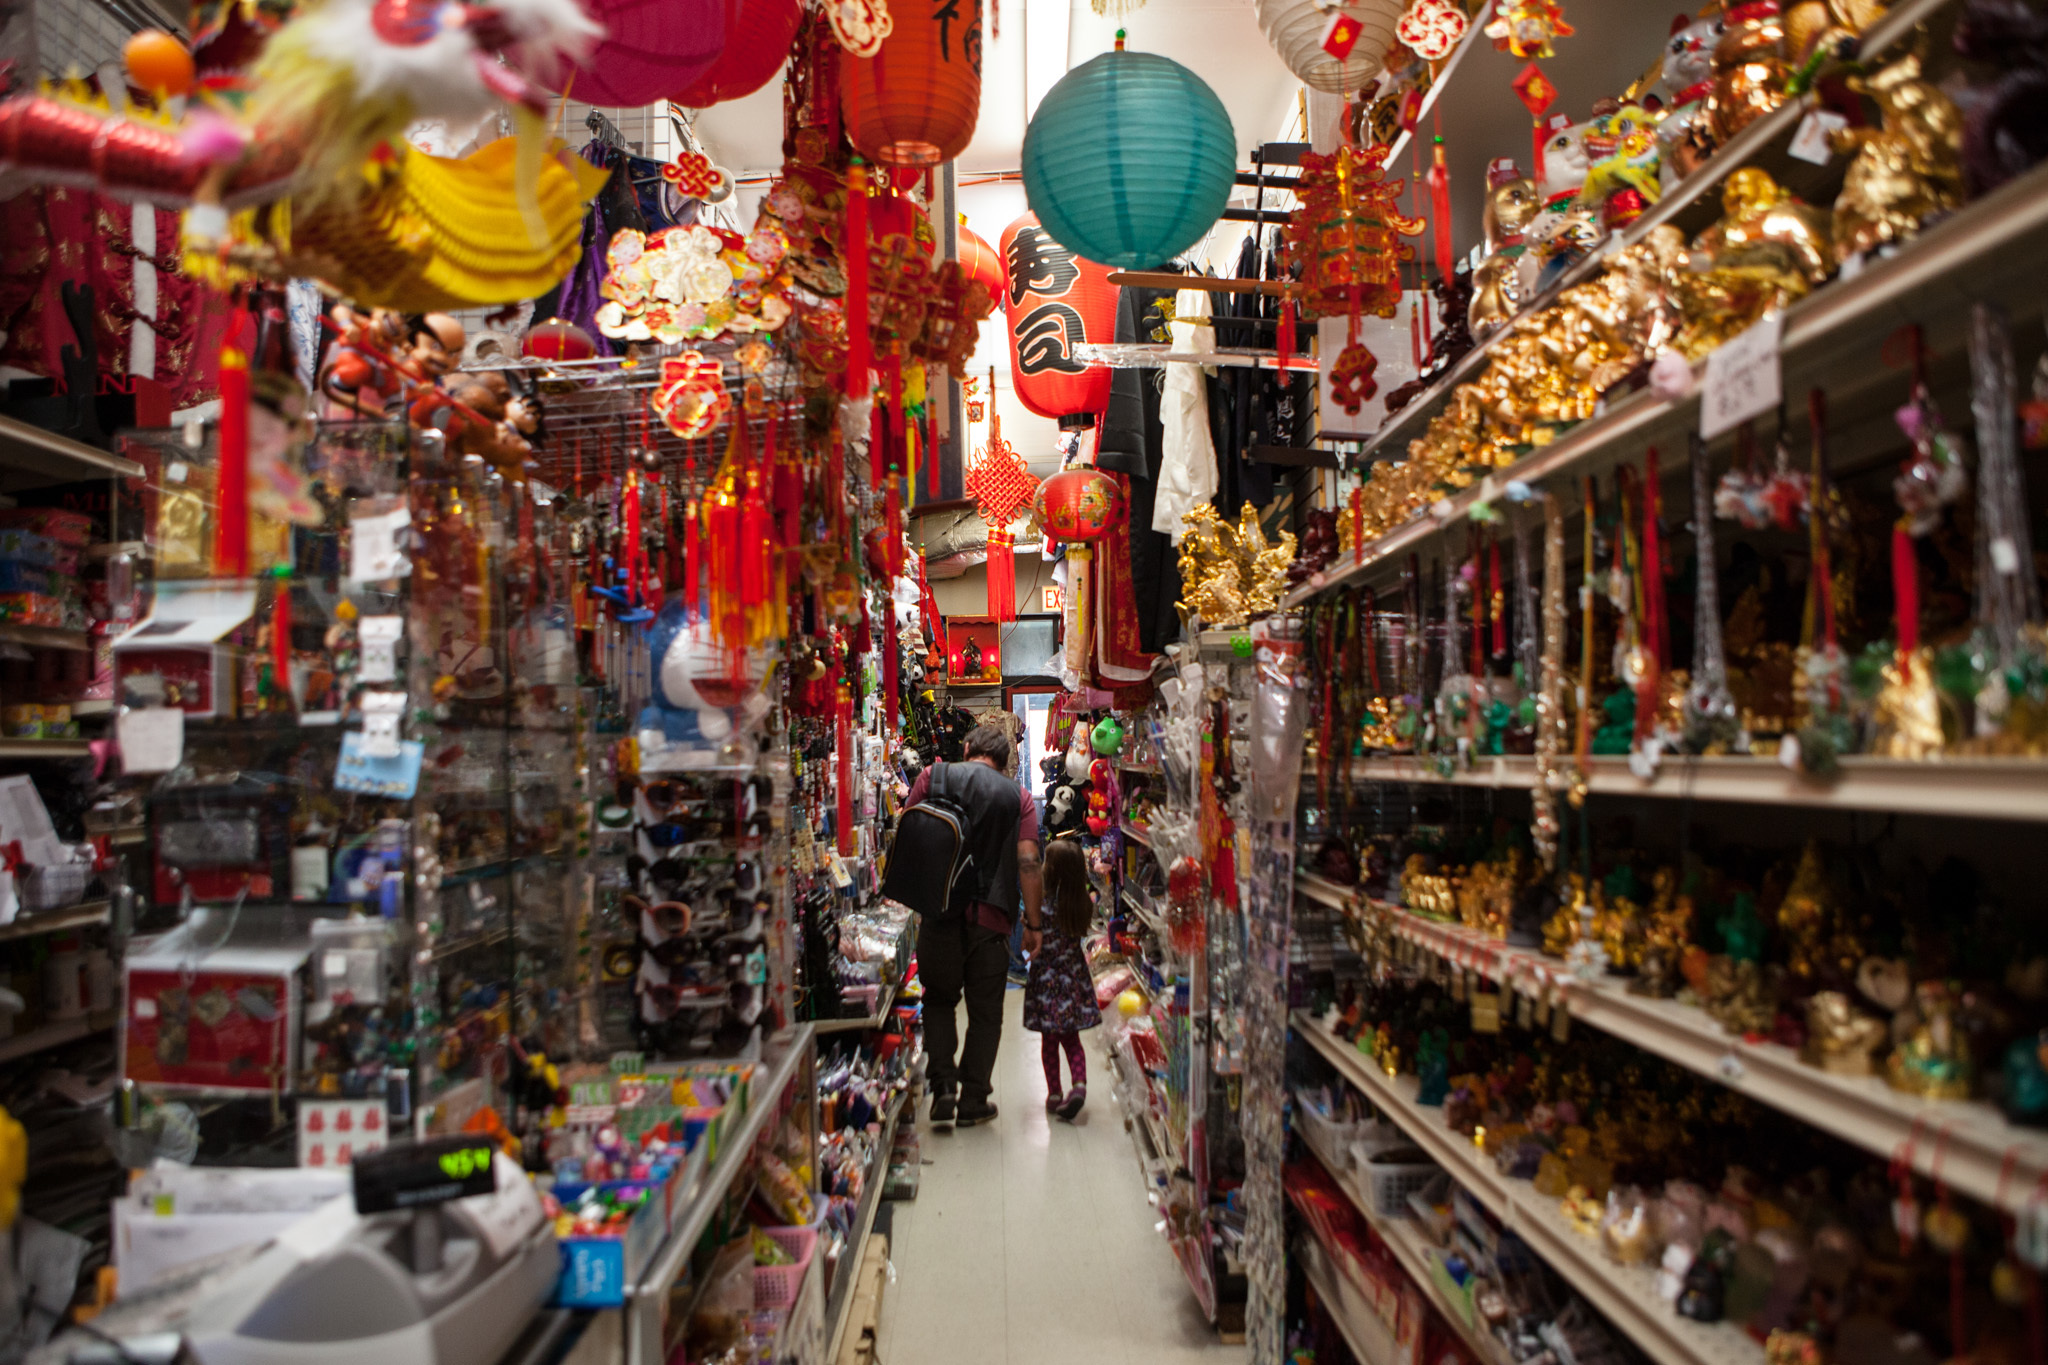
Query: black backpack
[{"x": 929, "y": 854}]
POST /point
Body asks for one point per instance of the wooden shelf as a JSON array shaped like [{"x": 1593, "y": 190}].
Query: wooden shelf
[
  {"x": 1978, "y": 789},
  {"x": 34, "y": 458},
  {"x": 44, "y": 637},
  {"x": 840, "y": 1300},
  {"x": 80, "y": 916},
  {"x": 54, "y": 1035},
  {"x": 1627, "y": 1295},
  {"x": 45, "y": 748},
  {"x": 1968, "y": 1145}
]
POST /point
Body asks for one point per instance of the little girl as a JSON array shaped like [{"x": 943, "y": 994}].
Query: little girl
[{"x": 1059, "y": 994}]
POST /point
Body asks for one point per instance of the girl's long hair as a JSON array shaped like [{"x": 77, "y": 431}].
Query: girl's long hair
[{"x": 1066, "y": 888}]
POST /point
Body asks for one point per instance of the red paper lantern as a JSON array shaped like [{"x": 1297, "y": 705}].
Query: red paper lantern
[
  {"x": 914, "y": 103},
  {"x": 979, "y": 261},
  {"x": 649, "y": 48},
  {"x": 557, "y": 339},
  {"x": 758, "y": 34},
  {"x": 1054, "y": 301},
  {"x": 1080, "y": 505}
]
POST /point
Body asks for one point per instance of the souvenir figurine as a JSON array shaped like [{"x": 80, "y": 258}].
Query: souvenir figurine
[
  {"x": 1749, "y": 68},
  {"x": 1511, "y": 202},
  {"x": 1622, "y": 164},
  {"x": 1904, "y": 172},
  {"x": 2025, "y": 1096},
  {"x": 1932, "y": 1058},
  {"x": 1816, "y": 26},
  {"x": 1560, "y": 233},
  {"x": 1769, "y": 250},
  {"x": 358, "y": 377},
  {"x": 1839, "y": 1038},
  {"x": 1683, "y": 83}
]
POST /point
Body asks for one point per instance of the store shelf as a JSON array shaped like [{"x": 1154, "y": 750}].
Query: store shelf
[
  {"x": 44, "y": 637},
  {"x": 1979, "y": 789},
  {"x": 1967, "y": 1145},
  {"x": 34, "y": 458},
  {"x": 1324, "y": 890},
  {"x": 646, "y": 1300},
  {"x": 1627, "y": 1295},
  {"x": 464, "y": 943},
  {"x": 79, "y": 916},
  {"x": 1363, "y": 1330},
  {"x": 1406, "y": 1241},
  {"x": 1148, "y": 769},
  {"x": 54, "y": 1035},
  {"x": 45, "y": 748},
  {"x": 1986, "y": 251},
  {"x": 866, "y": 1022},
  {"x": 1136, "y": 835},
  {"x": 840, "y": 1301}
]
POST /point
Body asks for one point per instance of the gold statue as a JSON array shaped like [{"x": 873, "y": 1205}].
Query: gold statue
[
  {"x": 1908, "y": 711},
  {"x": 1768, "y": 250},
  {"x": 1511, "y": 202},
  {"x": 1905, "y": 172},
  {"x": 1933, "y": 1059},
  {"x": 1839, "y": 1037},
  {"x": 1231, "y": 573},
  {"x": 1813, "y": 24}
]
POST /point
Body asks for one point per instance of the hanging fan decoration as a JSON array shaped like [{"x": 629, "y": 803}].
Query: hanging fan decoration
[
  {"x": 693, "y": 283},
  {"x": 1344, "y": 245},
  {"x": 1002, "y": 489},
  {"x": 691, "y": 397}
]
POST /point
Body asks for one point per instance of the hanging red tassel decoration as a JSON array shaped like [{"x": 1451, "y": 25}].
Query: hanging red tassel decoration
[
  {"x": 1906, "y": 596},
  {"x": 842, "y": 725},
  {"x": 231, "y": 486},
  {"x": 757, "y": 546},
  {"x": 281, "y": 634},
  {"x": 878, "y": 442},
  {"x": 1002, "y": 575},
  {"x": 1440, "y": 208},
  {"x": 931, "y": 453},
  {"x": 1657, "y": 632},
  {"x": 892, "y": 529},
  {"x": 1284, "y": 344},
  {"x": 635, "y": 546},
  {"x": 855, "y": 247}
]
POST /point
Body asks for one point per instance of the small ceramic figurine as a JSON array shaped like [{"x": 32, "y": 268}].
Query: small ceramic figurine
[
  {"x": 1683, "y": 85},
  {"x": 1511, "y": 202},
  {"x": 1749, "y": 68},
  {"x": 1623, "y": 158},
  {"x": 1905, "y": 172},
  {"x": 1561, "y": 232},
  {"x": 1933, "y": 1058},
  {"x": 1839, "y": 1038}
]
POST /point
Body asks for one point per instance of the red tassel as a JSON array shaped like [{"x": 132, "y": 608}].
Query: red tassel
[
  {"x": 855, "y": 247},
  {"x": 281, "y": 634},
  {"x": 892, "y": 529},
  {"x": 1002, "y": 575},
  {"x": 878, "y": 442},
  {"x": 931, "y": 453},
  {"x": 629, "y": 520},
  {"x": 1658, "y": 633},
  {"x": 1440, "y": 209},
  {"x": 693, "y": 558},
  {"x": 1906, "y": 594},
  {"x": 231, "y": 486},
  {"x": 757, "y": 541},
  {"x": 842, "y": 725}
]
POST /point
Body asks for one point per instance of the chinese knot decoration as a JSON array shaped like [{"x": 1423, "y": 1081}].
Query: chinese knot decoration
[
  {"x": 693, "y": 175},
  {"x": 691, "y": 396},
  {"x": 1431, "y": 29},
  {"x": 1526, "y": 27},
  {"x": 860, "y": 25},
  {"x": 1002, "y": 488}
]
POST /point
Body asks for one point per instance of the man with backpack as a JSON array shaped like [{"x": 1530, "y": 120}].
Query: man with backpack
[{"x": 963, "y": 948}]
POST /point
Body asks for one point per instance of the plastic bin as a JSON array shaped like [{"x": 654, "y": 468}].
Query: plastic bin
[
  {"x": 777, "y": 1286},
  {"x": 1389, "y": 1183},
  {"x": 1329, "y": 1139}
]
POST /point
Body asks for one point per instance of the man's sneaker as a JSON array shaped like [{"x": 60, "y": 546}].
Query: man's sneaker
[
  {"x": 942, "y": 1110},
  {"x": 1076, "y": 1097},
  {"x": 972, "y": 1113}
]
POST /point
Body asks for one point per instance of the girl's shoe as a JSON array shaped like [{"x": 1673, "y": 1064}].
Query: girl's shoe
[
  {"x": 1053, "y": 1102},
  {"x": 1071, "y": 1106}
]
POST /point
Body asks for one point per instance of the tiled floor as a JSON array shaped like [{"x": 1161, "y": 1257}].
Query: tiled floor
[{"x": 1030, "y": 1241}]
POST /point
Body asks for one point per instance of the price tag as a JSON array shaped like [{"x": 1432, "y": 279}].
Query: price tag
[
  {"x": 1810, "y": 143},
  {"x": 152, "y": 739},
  {"x": 1731, "y": 1068},
  {"x": 379, "y": 638},
  {"x": 1743, "y": 379},
  {"x": 1486, "y": 1012},
  {"x": 374, "y": 551}
]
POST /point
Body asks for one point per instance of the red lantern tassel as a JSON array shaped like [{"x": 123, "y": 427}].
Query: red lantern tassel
[
  {"x": 231, "y": 518},
  {"x": 931, "y": 454},
  {"x": 1284, "y": 344},
  {"x": 892, "y": 653},
  {"x": 878, "y": 442},
  {"x": 1002, "y": 575},
  {"x": 842, "y": 724},
  {"x": 281, "y": 635},
  {"x": 855, "y": 247},
  {"x": 1440, "y": 208},
  {"x": 1906, "y": 594}
]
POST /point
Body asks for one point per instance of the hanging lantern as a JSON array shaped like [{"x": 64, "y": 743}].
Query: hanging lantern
[
  {"x": 650, "y": 47},
  {"x": 1080, "y": 505},
  {"x": 1130, "y": 159},
  {"x": 979, "y": 261},
  {"x": 1053, "y": 301},
  {"x": 1296, "y": 29},
  {"x": 758, "y": 34},
  {"x": 557, "y": 339},
  {"x": 1002, "y": 488},
  {"x": 914, "y": 102}
]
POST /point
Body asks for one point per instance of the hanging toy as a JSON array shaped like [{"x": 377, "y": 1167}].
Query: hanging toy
[
  {"x": 1527, "y": 28},
  {"x": 1101, "y": 778},
  {"x": 1186, "y": 926},
  {"x": 1107, "y": 737}
]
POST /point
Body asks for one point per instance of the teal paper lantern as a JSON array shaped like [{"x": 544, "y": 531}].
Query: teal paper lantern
[{"x": 1129, "y": 159}]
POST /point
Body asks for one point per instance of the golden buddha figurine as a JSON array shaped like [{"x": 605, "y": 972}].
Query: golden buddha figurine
[
  {"x": 1933, "y": 1058},
  {"x": 1907, "y": 170},
  {"x": 1840, "y": 1038},
  {"x": 1768, "y": 250}
]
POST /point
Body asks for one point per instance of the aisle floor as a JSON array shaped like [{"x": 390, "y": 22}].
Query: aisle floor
[{"x": 1031, "y": 1242}]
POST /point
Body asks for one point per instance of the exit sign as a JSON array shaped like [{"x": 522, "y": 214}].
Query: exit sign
[{"x": 1052, "y": 599}]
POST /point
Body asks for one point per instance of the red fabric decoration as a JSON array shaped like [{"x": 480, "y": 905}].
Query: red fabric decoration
[
  {"x": 1053, "y": 302},
  {"x": 1001, "y": 488},
  {"x": 231, "y": 486},
  {"x": 650, "y": 48},
  {"x": 281, "y": 633},
  {"x": 757, "y": 38},
  {"x": 1906, "y": 596},
  {"x": 914, "y": 102},
  {"x": 854, "y": 248}
]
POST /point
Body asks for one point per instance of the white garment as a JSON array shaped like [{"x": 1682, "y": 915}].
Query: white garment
[{"x": 1187, "y": 466}]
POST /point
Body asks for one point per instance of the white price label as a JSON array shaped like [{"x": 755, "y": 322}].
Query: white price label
[
  {"x": 152, "y": 740},
  {"x": 1743, "y": 378},
  {"x": 1810, "y": 143}
]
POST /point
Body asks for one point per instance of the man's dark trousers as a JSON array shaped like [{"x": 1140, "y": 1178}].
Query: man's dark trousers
[{"x": 954, "y": 957}]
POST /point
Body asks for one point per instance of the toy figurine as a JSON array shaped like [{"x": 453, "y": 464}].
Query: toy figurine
[
  {"x": 1511, "y": 202},
  {"x": 1100, "y": 778},
  {"x": 358, "y": 378},
  {"x": 1814, "y": 26},
  {"x": 1623, "y": 160},
  {"x": 1933, "y": 1059},
  {"x": 1749, "y": 68},
  {"x": 1683, "y": 83},
  {"x": 1560, "y": 233},
  {"x": 1905, "y": 172},
  {"x": 1839, "y": 1038}
]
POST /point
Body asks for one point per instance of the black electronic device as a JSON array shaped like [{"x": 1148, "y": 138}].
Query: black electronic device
[{"x": 409, "y": 1175}]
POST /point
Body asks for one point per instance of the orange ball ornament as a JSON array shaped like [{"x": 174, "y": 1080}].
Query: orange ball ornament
[{"x": 158, "y": 63}]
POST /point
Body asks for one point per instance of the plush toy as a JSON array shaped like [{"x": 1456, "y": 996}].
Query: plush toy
[
  {"x": 1064, "y": 803},
  {"x": 1108, "y": 737},
  {"x": 1101, "y": 781},
  {"x": 695, "y": 697}
]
